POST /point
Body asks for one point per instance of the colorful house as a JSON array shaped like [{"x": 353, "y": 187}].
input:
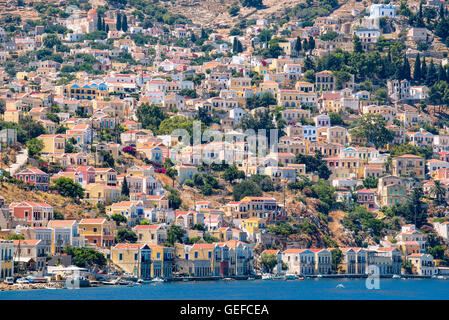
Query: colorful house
[{"x": 97, "y": 232}]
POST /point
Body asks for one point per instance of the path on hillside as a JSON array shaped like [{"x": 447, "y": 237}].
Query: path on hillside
[{"x": 21, "y": 159}]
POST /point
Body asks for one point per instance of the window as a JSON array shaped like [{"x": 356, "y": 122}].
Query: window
[{"x": 120, "y": 256}]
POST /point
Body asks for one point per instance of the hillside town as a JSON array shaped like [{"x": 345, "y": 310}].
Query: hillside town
[{"x": 138, "y": 144}]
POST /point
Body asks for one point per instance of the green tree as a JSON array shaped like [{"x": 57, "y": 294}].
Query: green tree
[
  {"x": 150, "y": 116},
  {"x": 370, "y": 182},
  {"x": 67, "y": 188},
  {"x": 144, "y": 222},
  {"x": 336, "y": 119},
  {"x": 35, "y": 147},
  {"x": 269, "y": 261},
  {"x": 125, "y": 23},
  {"x": 358, "y": 48},
  {"x": 298, "y": 46},
  {"x": 438, "y": 192},
  {"x": 118, "y": 23},
  {"x": 174, "y": 201},
  {"x": 251, "y": 3},
  {"x": 372, "y": 127},
  {"x": 86, "y": 257},
  {"x": 417, "y": 212},
  {"x": 337, "y": 257},
  {"x": 125, "y": 187},
  {"x": 417, "y": 69},
  {"x": 175, "y": 234},
  {"x": 407, "y": 266},
  {"x": 125, "y": 235},
  {"x": 14, "y": 236},
  {"x": 172, "y": 173},
  {"x": 51, "y": 40},
  {"x": 118, "y": 218},
  {"x": 232, "y": 173},
  {"x": 245, "y": 189}
]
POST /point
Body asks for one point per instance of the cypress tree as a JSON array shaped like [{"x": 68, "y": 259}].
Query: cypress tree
[
  {"x": 431, "y": 74},
  {"x": 203, "y": 34},
  {"x": 234, "y": 45},
  {"x": 298, "y": 44},
  {"x": 239, "y": 46},
  {"x": 441, "y": 74},
  {"x": 423, "y": 69},
  {"x": 104, "y": 25},
  {"x": 99, "y": 22},
  {"x": 305, "y": 45},
  {"x": 125, "y": 188},
  {"x": 406, "y": 69},
  {"x": 417, "y": 69},
  {"x": 124, "y": 23},
  {"x": 107, "y": 28},
  {"x": 311, "y": 43},
  {"x": 118, "y": 23}
]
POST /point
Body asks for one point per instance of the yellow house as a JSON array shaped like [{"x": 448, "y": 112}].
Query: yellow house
[
  {"x": 119, "y": 66},
  {"x": 107, "y": 176},
  {"x": 134, "y": 258},
  {"x": 13, "y": 116},
  {"x": 53, "y": 143},
  {"x": 161, "y": 261},
  {"x": 6, "y": 258},
  {"x": 151, "y": 234},
  {"x": 253, "y": 225},
  {"x": 97, "y": 231},
  {"x": 96, "y": 192},
  {"x": 199, "y": 258},
  {"x": 408, "y": 164},
  {"x": 289, "y": 98}
]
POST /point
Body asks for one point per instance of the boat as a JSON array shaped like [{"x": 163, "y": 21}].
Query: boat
[
  {"x": 290, "y": 277},
  {"x": 113, "y": 282},
  {"x": 157, "y": 279},
  {"x": 251, "y": 278},
  {"x": 396, "y": 276},
  {"x": 319, "y": 276},
  {"x": 301, "y": 278},
  {"x": 228, "y": 279},
  {"x": 267, "y": 276},
  {"x": 185, "y": 280},
  {"x": 340, "y": 286}
]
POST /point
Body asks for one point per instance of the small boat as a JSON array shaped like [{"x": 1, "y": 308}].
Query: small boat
[
  {"x": 301, "y": 278},
  {"x": 113, "y": 282},
  {"x": 396, "y": 276},
  {"x": 319, "y": 276},
  {"x": 290, "y": 277},
  {"x": 267, "y": 276},
  {"x": 157, "y": 279},
  {"x": 185, "y": 280},
  {"x": 228, "y": 279},
  {"x": 251, "y": 278},
  {"x": 50, "y": 288},
  {"x": 340, "y": 286}
]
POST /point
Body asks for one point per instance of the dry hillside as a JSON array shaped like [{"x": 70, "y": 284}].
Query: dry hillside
[{"x": 65, "y": 205}]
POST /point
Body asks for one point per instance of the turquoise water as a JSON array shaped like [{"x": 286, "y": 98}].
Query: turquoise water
[{"x": 259, "y": 289}]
